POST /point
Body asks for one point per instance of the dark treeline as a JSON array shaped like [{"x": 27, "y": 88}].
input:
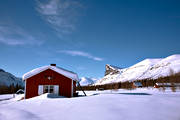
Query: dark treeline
[
  {"x": 175, "y": 78},
  {"x": 10, "y": 89}
]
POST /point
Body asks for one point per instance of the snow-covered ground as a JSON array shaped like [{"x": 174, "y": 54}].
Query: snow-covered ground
[
  {"x": 139, "y": 104},
  {"x": 6, "y": 97}
]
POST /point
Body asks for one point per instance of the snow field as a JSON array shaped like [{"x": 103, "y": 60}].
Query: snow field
[{"x": 145, "y": 104}]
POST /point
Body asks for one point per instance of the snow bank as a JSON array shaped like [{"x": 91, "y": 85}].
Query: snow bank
[{"x": 5, "y": 97}]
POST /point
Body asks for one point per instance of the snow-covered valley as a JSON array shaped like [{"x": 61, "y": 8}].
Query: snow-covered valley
[{"x": 138, "y": 104}]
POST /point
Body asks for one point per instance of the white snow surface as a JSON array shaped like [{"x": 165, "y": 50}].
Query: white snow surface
[
  {"x": 165, "y": 67},
  {"x": 6, "y": 96},
  {"x": 148, "y": 68},
  {"x": 139, "y": 104},
  {"x": 62, "y": 71}
]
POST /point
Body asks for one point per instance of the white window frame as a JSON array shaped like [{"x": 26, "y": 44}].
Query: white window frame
[
  {"x": 40, "y": 89},
  {"x": 55, "y": 89}
]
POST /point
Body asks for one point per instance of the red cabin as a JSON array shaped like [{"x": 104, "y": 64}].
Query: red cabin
[{"x": 50, "y": 79}]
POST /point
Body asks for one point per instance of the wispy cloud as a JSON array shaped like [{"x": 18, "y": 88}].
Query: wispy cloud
[
  {"x": 59, "y": 14},
  {"x": 80, "y": 68},
  {"x": 15, "y": 35},
  {"x": 81, "y": 53}
]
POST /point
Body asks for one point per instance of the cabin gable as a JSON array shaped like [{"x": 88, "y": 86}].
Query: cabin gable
[{"x": 49, "y": 77}]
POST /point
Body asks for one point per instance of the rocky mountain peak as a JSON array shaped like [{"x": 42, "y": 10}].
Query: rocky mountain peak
[{"x": 110, "y": 70}]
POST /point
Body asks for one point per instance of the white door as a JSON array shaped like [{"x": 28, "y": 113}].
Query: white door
[
  {"x": 56, "y": 89},
  {"x": 40, "y": 89}
]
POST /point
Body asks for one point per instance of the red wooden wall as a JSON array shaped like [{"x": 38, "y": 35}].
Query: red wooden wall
[
  {"x": 74, "y": 86},
  {"x": 64, "y": 83}
]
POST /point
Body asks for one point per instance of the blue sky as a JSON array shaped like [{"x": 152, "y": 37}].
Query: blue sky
[{"x": 85, "y": 35}]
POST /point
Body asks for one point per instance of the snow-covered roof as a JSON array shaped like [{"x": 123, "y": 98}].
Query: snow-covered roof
[{"x": 59, "y": 70}]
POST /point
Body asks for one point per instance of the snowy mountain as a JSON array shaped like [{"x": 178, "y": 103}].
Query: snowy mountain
[
  {"x": 87, "y": 81},
  {"x": 148, "y": 68},
  {"x": 8, "y": 79}
]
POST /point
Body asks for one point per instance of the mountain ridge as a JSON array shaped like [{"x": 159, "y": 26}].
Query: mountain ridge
[
  {"x": 147, "y": 68},
  {"x": 8, "y": 79}
]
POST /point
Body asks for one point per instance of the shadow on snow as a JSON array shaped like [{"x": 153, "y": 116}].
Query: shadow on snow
[{"x": 135, "y": 93}]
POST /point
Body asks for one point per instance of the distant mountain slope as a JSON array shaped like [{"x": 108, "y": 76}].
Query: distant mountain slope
[
  {"x": 8, "y": 79},
  {"x": 148, "y": 68},
  {"x": 87, "y": 81},
  {"x": 165, "y": 67}
]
